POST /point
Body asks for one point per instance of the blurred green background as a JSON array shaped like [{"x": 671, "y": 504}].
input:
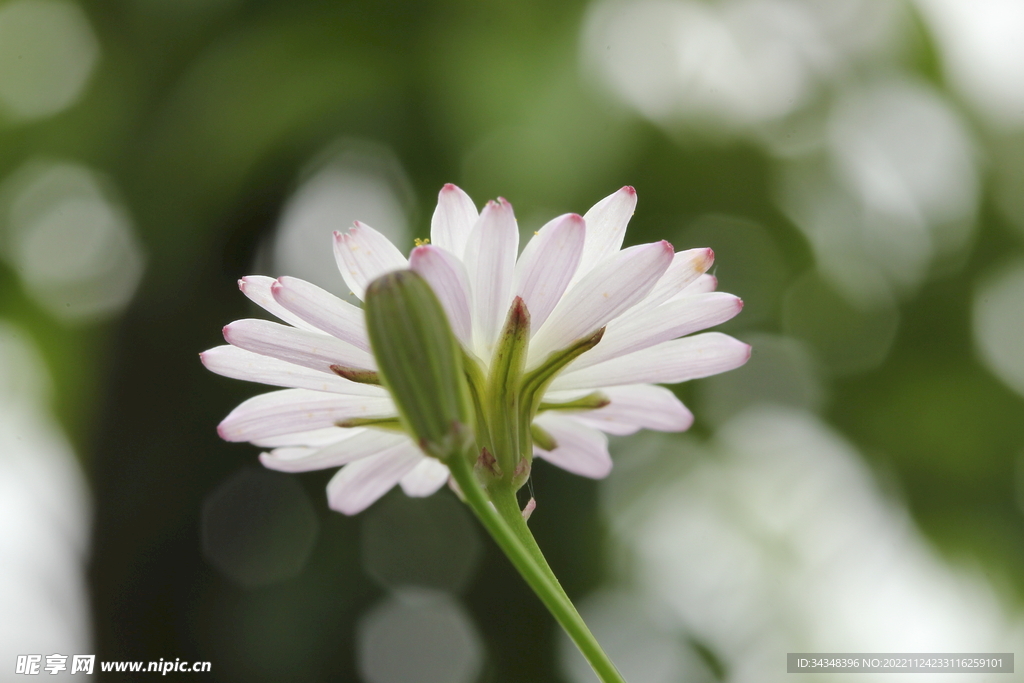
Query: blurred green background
[{"x": 857, "y": 166}]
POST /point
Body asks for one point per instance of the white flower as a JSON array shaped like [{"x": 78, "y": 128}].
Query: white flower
[{"x": 573, "y": 278}]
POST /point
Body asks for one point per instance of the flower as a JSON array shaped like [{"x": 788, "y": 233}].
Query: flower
[{"x": 574, "y": 280}]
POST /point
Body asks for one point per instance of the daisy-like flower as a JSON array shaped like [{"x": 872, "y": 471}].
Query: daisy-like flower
[{"x": 609, "y": 323}]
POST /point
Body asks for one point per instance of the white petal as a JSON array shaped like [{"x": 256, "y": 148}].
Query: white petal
[
  {"x": 639, "y": 406},
  {"x": 490, "y": 259},
  {"x": 231, "y": 361},
  {"x": 257, "y": 288},
  {"x": 668, "y": 321},
  {"x": 297, "y": 410},
  {"x": 447, "y": 277},
  {"x": 363, "y": 255},
  {"x": 322, "y": 310},
  {"x": 607, "y": 291},
  {"x": 686, "y": 267},
  {"x": 608, "y": 426},
  {"x": 606, "y": 227},
  {"x": 453, "y": 220},
  {"x": 705, "y": 283},
  {"x": 547, "y": 264},
  {"x": 424, "y": 479},
  {"x": 358, "y": 444},
  {"x": 359, "y": 484},
  {"x": 314, "y": 438},
  {"x": 673, "y": 361},
  {"x": 581, "y": 450},
  {"x": 308, "y": 349}
]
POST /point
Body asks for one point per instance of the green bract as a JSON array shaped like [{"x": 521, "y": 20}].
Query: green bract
[{"x": 420, "y": 362}]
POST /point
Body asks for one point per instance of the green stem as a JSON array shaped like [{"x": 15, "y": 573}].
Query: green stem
[{"x": 505, "y": 523}]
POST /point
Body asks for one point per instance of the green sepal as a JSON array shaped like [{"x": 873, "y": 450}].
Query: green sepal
[
  {"x": 358, "y": 375},
  {"x": 392, "y": 424},
  {"x": 477, "y": 385},
  {"x": 542, "y": 438},
  {"x": 537, "y": 380},
  {"x": 506, "y": 376},
  {"x": 591, "y": 401},
  {"x": 420, "y": 362}
]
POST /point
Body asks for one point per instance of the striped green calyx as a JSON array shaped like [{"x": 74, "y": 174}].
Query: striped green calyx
[
  {"x": 420, "y": 362},
  {"x": 450, "y": 401}
]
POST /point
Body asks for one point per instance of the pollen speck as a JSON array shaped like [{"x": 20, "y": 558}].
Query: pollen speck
[{"x": 419, "y": 242}]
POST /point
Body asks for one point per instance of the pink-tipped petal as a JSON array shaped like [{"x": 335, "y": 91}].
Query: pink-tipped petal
[
  {"x": 685, "y": 268},
  {"x": 356, "y": 445},
  {"x": 581, "y": 450},
  {"x": 424, "y": 479},
  {"x": 231, "y": 361},
  {"x": 639, "y": 406},
  {"x": 606, "y": 227},
  {"x": 606, "y": 292},
  {"x": 453, "y": 220},
  {"x": 322, "y": 310},
  {"x": 359, "y": 484},
  {"x": 363, "y": 255},
  {"x": 668, "y": 321},
  {"x": 297, "y": 410},
  {"x": 447, "y": 277},
  {"x": 673, "y": 361},
  {"x": 308, "y": 349},
  {"x": 490, "y": 259},
  {"x": 547, "y": 264},
  {"x": 258, "y": 289}
]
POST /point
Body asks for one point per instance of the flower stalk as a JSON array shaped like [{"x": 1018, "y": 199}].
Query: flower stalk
[
  {"x": 478, "y": 431},
  {"x": 498, "y": 511}
]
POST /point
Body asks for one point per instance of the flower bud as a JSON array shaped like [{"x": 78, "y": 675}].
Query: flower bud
[{"x": 420, "y": 362}]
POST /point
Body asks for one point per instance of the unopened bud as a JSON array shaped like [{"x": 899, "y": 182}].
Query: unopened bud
[{"x": 420, "y": 362}]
